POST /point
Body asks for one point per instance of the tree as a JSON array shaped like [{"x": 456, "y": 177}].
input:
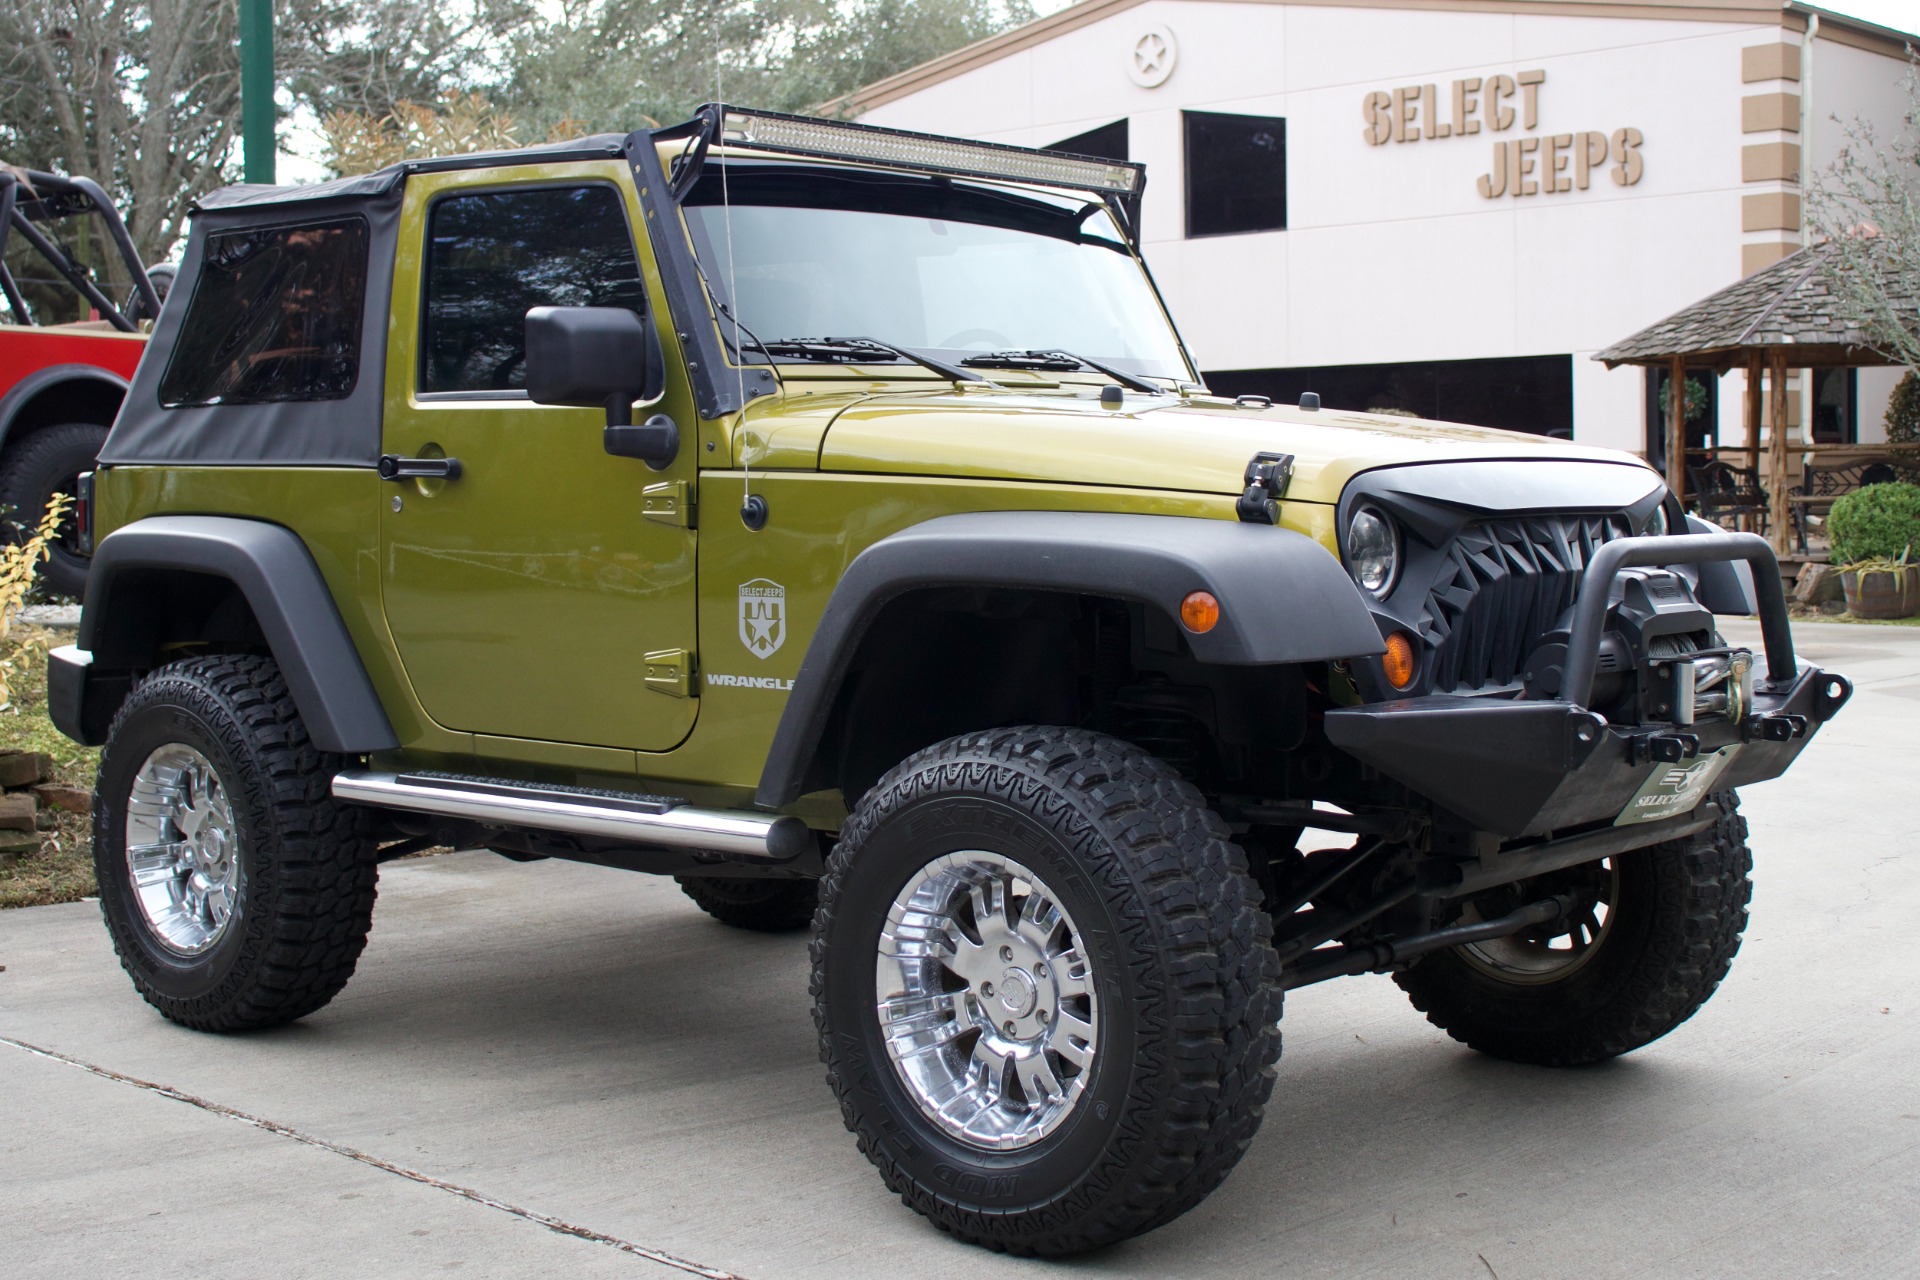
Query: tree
[
  {"x": 144, "y": 95},
  {"x": 1868, "y": 205},
  {"x": 360, "y": 141},
  {"x": 619, "y": 64},
  {"x": 141, "y": 95}
]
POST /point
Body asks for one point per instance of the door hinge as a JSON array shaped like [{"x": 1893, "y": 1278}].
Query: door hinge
[
  {"x": 670, "y": 671},
  {"x": 670, "y": 502}
]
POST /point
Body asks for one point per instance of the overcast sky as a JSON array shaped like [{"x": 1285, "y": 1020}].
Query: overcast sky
[{"x": 1901, "y": 15}]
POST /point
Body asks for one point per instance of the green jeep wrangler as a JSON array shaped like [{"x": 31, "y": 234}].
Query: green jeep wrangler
[{"x": 831, "y": 518}]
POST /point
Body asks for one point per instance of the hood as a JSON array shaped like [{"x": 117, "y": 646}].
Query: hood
[{"x": 1194, "y": 445}]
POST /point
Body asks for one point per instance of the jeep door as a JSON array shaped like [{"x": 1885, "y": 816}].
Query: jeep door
[{"x": 524, "y": 594}]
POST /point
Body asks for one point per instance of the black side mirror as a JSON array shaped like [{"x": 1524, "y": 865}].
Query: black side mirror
[{"x": 599, "y": 356}]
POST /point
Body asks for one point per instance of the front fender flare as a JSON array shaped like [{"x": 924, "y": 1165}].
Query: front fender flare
[
  {"x": 1284, "y": 598},
  {"x": 283, "y": 586}
]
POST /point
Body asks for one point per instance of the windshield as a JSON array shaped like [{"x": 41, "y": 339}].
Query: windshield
[{"x": 926, "y": 263}]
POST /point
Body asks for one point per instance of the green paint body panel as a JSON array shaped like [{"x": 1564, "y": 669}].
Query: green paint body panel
[
  {"x": 522, "y": 596},
  {"x": 503, "y": 616}
]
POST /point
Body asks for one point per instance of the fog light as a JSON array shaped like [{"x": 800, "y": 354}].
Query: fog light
[
  {"x": 1200, "y": 612},
  {"x": 1399, "y": 660}
]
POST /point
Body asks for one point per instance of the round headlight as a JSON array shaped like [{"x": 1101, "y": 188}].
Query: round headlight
[
  {"x": 1373, "y": 550},
  {"x": 1656, "y": 523}
]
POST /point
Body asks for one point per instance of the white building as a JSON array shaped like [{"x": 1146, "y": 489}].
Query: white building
[{"x": 1445, "y": 206}]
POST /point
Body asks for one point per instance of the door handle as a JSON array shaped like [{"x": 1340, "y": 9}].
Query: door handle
[{"x": 394, "y": 467}]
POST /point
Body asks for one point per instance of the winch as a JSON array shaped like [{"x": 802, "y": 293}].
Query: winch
[{"x": 1660, "y": 659}]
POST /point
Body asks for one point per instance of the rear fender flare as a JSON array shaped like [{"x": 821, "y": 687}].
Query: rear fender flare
[
  {"x": 24, "y": 394},
  {"x": 1283, "y": 597},
  {"x": 274, "y": 571}
]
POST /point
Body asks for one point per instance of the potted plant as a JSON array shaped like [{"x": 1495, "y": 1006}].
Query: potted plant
[{"x": 1874, "y": 531}]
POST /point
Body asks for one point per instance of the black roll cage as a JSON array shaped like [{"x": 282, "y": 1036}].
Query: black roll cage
[{"x": 50, "y": 196}]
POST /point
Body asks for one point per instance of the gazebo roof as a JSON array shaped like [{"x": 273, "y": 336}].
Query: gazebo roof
[{"x": 1785, "y": 306}]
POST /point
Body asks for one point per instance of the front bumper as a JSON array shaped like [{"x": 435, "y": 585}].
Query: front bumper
[{"x": 1530, "y": 767}]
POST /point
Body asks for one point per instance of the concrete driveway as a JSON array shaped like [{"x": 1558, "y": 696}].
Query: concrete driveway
[{"x": 533, "y": 1054}]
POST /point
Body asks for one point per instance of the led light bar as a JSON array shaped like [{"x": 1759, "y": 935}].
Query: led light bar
[{"x": 839, "y": 140}]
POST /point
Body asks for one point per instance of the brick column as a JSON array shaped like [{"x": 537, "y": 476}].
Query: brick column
[{"x": 1770, "y": 156}]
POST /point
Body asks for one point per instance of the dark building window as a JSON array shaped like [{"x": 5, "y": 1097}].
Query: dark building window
[
  {"x": 1701, "y": 409},
  {"x": 275, "y": 316},
  {"x": 1236, "y": 173},
  {"x": 1521, "y": 393},
  {"x": 493, "y": 255},
  {"x": 1836, "y": 410},
  {"x": 1108, "y": 142}
]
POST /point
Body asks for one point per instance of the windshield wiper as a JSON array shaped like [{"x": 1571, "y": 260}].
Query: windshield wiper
[
  {"x": 1055, "y": 359},
  {"x": 854, "y": 349}
]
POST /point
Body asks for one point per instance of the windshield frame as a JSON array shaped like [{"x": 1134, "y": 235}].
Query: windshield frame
[{"x": 720, "y": 385}]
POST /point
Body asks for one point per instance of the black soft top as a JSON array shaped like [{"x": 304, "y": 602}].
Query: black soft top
[
  {"x": 380, "y": 182},
  {"x": 341, "y": 432}
]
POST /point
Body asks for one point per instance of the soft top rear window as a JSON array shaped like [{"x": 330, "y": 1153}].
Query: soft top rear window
[{"x": 275, "y": 316}]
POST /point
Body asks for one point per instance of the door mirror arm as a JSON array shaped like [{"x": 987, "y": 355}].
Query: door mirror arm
[{"x": 655, "y": 442}]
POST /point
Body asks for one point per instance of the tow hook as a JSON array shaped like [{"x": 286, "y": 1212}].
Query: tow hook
[
  {"x": 1776, "y": 728},
  {"x": 1670, "y": 748}
]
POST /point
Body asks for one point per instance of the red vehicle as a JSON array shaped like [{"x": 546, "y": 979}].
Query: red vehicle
[{"x": 70, "y": 347}]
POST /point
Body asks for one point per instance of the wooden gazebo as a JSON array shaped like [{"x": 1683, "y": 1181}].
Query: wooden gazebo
[{"x": 1778, "y": 319}]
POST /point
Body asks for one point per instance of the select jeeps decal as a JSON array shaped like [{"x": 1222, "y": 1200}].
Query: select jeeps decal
[{"x": 763, "y": 617}]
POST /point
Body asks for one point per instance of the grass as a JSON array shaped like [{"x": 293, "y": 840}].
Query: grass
[
  {"x": 1870, "y": 622},
  {"x": 62, "y": 871}
]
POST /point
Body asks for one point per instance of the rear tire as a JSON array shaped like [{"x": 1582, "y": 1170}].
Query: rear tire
[
  {"x": 1673, "y": 925},
  {"x": 33, "y": 469},
  {"x": 764, "y": 906},
  {"x": 249, "y": 890},
  {"x": 1111, "y": 932}
]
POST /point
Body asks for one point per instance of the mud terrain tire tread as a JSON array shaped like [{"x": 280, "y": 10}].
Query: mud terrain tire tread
[
  {"x": 762, "y": 906},
  {"x": 308, "y": 904},
  {"x": 1699, "y": 911},
  {"x": 1162, "y": 857}
]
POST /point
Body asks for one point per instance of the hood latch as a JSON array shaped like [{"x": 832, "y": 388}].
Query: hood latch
[{"x": 1267, "y": 478}]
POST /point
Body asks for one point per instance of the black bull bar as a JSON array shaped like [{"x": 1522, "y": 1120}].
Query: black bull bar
[{"x": 1523, "y": 767}]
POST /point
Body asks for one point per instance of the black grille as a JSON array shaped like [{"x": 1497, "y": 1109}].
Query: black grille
[{"x": 1502, "y": 587}]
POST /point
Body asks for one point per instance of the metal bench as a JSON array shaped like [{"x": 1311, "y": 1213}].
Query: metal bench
[
  {"x": 1827, "y": 477},
  {"x": 1722, "y": 492}
]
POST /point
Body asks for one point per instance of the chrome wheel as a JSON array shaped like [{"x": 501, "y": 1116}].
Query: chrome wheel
[
  {"x": 183, "y": 852},
  {"x": 1549, "y": 952},
  {"x": 986, "y": 1001}
]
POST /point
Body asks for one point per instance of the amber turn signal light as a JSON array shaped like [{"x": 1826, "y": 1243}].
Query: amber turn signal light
[
  {"x": 1399, "y": 660},
  {"x": 1200, "y": 612}
]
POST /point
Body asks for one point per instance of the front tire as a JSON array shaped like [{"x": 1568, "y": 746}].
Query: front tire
[
  {"x": 1665, "y": 925},
  {"x": 1045, "y": 989},
  {"x": 237, "y": 891}
]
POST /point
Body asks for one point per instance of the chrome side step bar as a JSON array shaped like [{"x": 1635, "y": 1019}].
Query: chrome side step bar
[{"x": 653, "y": 821}]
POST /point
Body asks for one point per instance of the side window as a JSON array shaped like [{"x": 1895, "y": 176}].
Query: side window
[
  {"x": 275, "y": 315},
  {"x": 493, "y": 255}
]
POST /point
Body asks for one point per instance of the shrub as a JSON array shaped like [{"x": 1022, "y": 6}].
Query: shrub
[
  {"x": 1879, "y": 522},
  {"x": 1903, "y": 410},
  {"x": 18, "y": 561}
]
